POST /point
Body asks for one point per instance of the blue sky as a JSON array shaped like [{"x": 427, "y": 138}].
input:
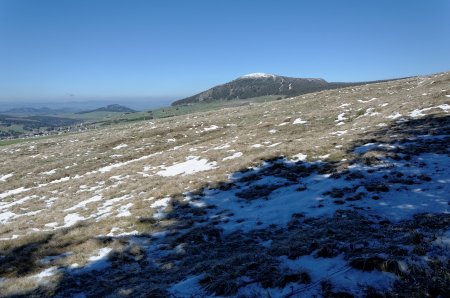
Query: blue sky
[{"x": 83, "y": 49}]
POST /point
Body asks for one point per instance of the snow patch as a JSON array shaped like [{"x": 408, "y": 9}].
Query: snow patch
[
  {"x": 51, "y": 172},
  {"x": 257, "y": 75},
  {"x": 49, "y": 272},
  {"x": 161, "y": 203},
  {"x": 299, "y": 121},
  {"x": 370, "y": 112},
  {"x": 13, "y": 192},
  {"x": 4, "y": 205},
  {"x": 3, "y": 178},
  {"x": 98, "y": 261},
  {"x": 83, "y": 204},
  {"x": 120, "y": 146},
  {"x": 338, "y": 133},
  {"x": 235, "y": 155},
  {"x": 210, "y": 128},
  {"x": 193, "y": 164},
  {"x": 372, "y": 146},
  {"x": 419, "y": 113},
  {"x": 6, "y": 216},
  {"x": 225, "y": 146},
  {"x": 100, "y": 254},
  {"x": 71, "y": 219},
  {"x": 366, "y": 101},
  {"x": 341, "y": 117},
  {"x": 123, "y": 211},
  {"x": 274, "y": 145},
  {"x": 338, "y": 272},
  {"x": 300, "y": 156}
]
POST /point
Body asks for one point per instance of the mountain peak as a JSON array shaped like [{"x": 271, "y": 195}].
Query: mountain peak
[
  {"x": 263, "y": 84},
  {"x": 257, "y": 75},
  {"x": 111, "y": 108}
]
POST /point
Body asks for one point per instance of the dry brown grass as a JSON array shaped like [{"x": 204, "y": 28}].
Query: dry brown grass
[{"x": 169, "y": 141}]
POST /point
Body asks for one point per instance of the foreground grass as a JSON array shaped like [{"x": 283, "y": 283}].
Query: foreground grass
[{"x": 107, "y": 180}]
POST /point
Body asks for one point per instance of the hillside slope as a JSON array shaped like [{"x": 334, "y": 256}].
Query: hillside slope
[
  {"x": 336, "y": 193},
  {"x": 110, "y": 108},
  {"x": 261, "y": 84}
]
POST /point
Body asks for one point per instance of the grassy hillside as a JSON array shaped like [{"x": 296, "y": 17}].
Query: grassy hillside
[{"x": 335, "y": 193}]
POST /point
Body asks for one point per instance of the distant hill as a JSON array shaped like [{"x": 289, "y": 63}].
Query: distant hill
[
  {"x": 262, "y": 84},
  {"x": 30, "y": 111},
  {"x": 111, "y": 108}
]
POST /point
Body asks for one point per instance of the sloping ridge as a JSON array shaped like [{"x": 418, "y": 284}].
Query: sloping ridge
[{"x": 261, "y": 84}]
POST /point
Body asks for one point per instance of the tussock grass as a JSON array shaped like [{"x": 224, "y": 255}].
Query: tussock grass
[{"x": 81, "y": 159}]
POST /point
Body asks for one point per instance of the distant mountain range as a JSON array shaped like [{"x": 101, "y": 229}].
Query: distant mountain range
[
  {"x": 36, "y": 111},
  {"x": 110, "y": 108},
  {"x": 262, "y": 84}
]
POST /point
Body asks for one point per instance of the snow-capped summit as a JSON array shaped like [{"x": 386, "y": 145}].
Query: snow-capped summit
[
  {"x": 257, "y": 75},
  {"x": 259, "y": 84}
]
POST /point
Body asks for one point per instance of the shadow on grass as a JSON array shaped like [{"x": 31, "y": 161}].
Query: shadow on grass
[{"x": 208, "y": 236}]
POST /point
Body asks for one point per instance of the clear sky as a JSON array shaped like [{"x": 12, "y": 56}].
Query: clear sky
[{"x": 78, "y": 49}]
